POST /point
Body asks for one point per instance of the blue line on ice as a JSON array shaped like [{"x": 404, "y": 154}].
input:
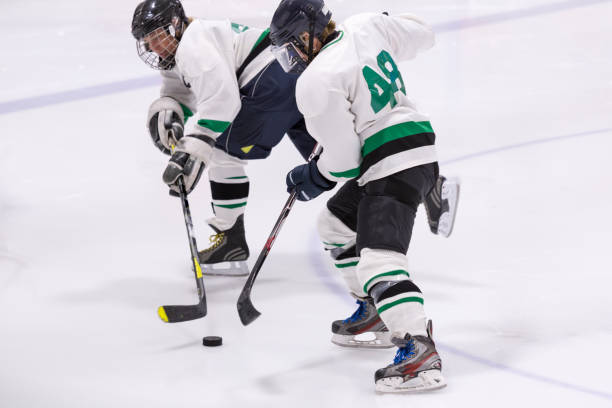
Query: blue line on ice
[
  {"x": 523, "y": 373},
  {"x": 525, "y": 144},
  {"x": 144, "y": 82},
  {"x": 512, "y": 15},
  {"x": 79, "y": 94},
  {"x": 322, "y": 272}
]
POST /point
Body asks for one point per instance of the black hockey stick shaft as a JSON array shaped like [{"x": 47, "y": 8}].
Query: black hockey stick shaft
[
  {"x": 183, "y": 313},
  {"x": 246, "y": 309},
  {"x": 193, "y": 246}
]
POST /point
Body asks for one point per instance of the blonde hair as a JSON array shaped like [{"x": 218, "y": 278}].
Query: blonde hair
[{"x": 328, "y": 30}]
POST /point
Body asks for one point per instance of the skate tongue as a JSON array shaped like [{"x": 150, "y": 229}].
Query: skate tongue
[
  {"x": 217, "y": 230},
  {"x": 217, "y": 225},
  {"x": 401, "y": 341}
]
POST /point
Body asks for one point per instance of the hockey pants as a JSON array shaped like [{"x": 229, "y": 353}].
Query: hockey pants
[{"x": 368, "y": 230}]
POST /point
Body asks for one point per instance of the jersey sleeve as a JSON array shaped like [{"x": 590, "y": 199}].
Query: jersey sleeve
[
  {"x": 206, "y": 61},
  {"x": 330, "y": 121},
  {"x": 407, "y": 35},
  {"x": 172, "y": 86}
]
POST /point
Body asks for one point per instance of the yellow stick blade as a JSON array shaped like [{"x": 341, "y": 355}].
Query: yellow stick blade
[{"x": 162, "y": 314}]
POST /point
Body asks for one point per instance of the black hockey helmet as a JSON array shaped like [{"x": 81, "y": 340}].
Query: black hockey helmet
[
  {"x": 157, "y": 26},
  {"x": 291, "y": 19}
]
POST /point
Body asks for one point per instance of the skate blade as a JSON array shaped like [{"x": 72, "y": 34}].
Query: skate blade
[
  {"x": 450, "y": 192},
  {"x": 426, "y": 381},
  {"x": 232, "y": 268},
  {"x": 381, "y": 340}
]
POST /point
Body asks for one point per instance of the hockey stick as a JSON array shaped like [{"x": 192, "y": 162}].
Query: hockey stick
[
  {"x": 246, "y": 310},
  {"x": 183, "y": 313}
]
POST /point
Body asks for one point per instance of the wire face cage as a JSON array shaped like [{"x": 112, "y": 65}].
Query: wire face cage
[{"x": 158, "y": 48}]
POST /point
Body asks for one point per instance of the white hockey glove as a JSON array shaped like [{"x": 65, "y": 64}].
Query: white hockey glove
[
  {"x": 166, "y": 123},
  {"x": 191, "y": 156}
]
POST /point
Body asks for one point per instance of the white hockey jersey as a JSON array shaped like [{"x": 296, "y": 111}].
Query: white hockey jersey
[
  {"x": 204, "y": 78},
  {"x": 354, "y": 100}
]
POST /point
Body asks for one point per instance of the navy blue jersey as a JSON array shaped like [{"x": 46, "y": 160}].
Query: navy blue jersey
[{"x": 268, "y": 112}]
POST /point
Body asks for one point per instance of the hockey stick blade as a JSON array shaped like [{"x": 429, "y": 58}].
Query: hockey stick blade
[
  {"x": 181, "y": 313},
  {"x": 184, "y": 313},
  {"x": 246, "y": 310}
]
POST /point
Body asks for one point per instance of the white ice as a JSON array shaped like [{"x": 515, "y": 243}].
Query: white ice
[{"x": 91, "y": 244}]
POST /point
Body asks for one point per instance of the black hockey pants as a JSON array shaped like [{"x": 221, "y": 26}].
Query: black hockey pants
[{"x": 382, "y": 212}]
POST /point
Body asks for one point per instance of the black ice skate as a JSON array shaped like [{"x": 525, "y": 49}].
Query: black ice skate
[
  {"x": 416, "y": 367},
  {"x": 228, "y": 252},
  {"x": 441, "y": 206},
  {"x": 364, "y": 320}
]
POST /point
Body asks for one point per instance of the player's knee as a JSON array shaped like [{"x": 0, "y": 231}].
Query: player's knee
[
  {"x": 333, "y": 232},
  {"x": 224, "y": 168},
  {"x": 384, "y": 223}
]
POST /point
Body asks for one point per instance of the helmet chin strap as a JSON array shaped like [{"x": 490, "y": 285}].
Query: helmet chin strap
[
  {"x": 183, "y": 26},
  {"x": 176, "y": 29},
  {"x": 311, "y": 31}
]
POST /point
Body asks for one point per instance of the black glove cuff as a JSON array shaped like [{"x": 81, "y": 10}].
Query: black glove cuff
[
  {"x": 155, "y": 135},
  {"x": 318, "y": 178},
  {"x": 180, "y": 158}
]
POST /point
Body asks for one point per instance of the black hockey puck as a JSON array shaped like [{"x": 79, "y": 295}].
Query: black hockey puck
[{"x": 212, "y": 341}]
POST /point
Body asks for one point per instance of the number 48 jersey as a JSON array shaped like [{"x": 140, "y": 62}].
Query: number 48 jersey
[{"x": 354, "y": 100}]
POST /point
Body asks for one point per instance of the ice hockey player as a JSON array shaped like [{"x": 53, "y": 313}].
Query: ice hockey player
[
  {"x": 353, "y": 98},
  {"x": 241, "y": 104}
]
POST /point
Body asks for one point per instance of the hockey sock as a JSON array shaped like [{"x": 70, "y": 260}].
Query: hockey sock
[
  {"x": 400, "y": 306},
  {"x": 346, "y": 262},
  {"x": 228, "y": 201}
]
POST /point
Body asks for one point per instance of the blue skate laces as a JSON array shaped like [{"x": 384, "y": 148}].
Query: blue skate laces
[
  {"x": 403, "y": 353},
  {"x": 359, "y": 313}
]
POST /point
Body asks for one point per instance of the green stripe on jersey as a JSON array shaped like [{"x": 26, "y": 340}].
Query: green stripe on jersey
[
  {"x": 400, "y": 301},
  {"x": 261, "y": 37},
  {"x": 393, "y": 133},
  {"x": 214, "y": 125},
  {"x": 380, "y": 275},
  {"x": 186, "y": 111},
  {"x": 340, "y": 35},
  {"x": 336, "y": 245},
  {"x": 236, "y": 178},
  {"x": 239, "y": 28},
  {"x": 347, "y": 265},
  {"x": 352, "y": 173}
]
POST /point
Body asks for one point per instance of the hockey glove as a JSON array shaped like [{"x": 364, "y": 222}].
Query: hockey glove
[
  {"x": 307, "y": 181},
  {"x": 191, "y": 156},
  {"x": 165, "y": 122}
]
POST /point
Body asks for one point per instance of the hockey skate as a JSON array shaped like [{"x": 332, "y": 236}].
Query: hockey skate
[
  {"x": 441, "y": 206},
  {"x": 416, "y": 367},
  {"x": 227, "y": 253},
  {"x": 365, "y": 320}
]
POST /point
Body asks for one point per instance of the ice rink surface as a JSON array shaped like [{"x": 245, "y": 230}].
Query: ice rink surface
[{"x": 520, "y": 95}]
